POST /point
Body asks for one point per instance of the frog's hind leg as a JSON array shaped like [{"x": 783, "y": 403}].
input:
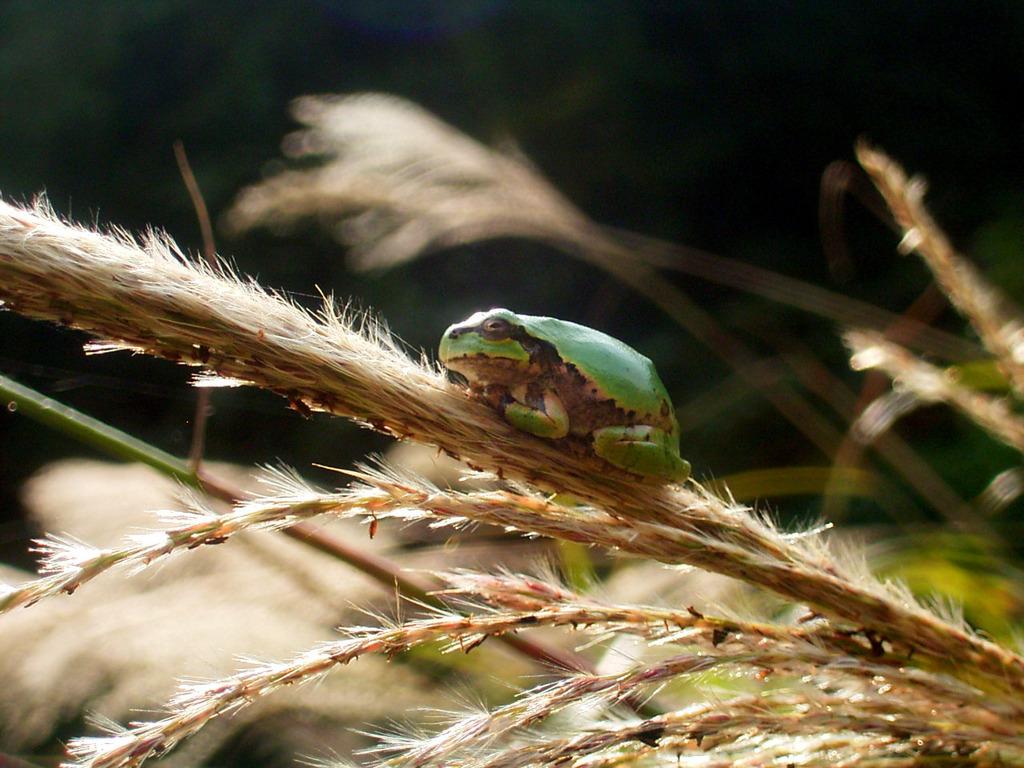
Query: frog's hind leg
[{"x": 643, "y": 450}]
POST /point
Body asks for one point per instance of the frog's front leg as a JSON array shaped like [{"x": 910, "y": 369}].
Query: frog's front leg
[
  {"x": 537, "y": 410},
  {"x": 642, "y": 449}
]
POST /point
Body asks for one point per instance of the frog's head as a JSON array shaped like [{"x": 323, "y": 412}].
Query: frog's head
[{"x": 488, "y": 348}]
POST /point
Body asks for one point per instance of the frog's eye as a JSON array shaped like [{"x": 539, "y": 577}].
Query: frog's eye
[{"x": 494, "y": 328}]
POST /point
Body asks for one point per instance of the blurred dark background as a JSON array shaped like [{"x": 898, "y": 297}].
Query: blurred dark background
[{"x": 708, "y": 123}]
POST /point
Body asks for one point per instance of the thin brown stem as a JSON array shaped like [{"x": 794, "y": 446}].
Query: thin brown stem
[{"x": 203, "y": 396}]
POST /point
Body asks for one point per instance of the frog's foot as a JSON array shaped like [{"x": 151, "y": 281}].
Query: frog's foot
[
  {"x": 643, "y": 450},
  {"x": 540, "y": 412}
]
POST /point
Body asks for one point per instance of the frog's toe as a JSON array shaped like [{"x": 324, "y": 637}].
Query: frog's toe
[{"x": 549, "y": 420}]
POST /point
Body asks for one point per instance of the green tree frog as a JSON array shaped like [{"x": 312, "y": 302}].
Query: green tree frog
[{"x": 557, "y": 379}]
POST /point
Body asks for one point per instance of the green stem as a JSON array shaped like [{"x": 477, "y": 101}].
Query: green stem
[{"x": 91, "y": 431}]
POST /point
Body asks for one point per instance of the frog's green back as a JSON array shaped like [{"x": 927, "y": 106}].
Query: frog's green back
[{"x": 627, "y": 376}]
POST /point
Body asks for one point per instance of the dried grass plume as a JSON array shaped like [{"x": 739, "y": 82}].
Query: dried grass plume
[{"x": 871, "y": 674}]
